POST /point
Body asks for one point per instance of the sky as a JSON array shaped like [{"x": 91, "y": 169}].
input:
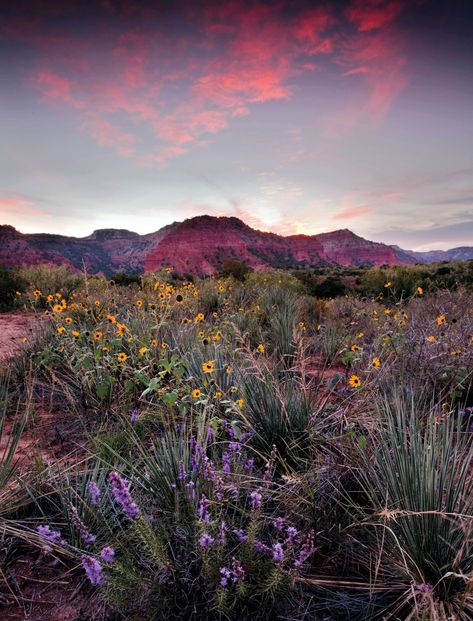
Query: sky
[{"x": 295, "y": 116}]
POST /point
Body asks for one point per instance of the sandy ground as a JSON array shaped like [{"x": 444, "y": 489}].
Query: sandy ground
[{"x": 14, "y": 327}]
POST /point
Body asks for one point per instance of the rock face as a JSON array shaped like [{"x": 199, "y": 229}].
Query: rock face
[{"x": 198, "y": 246}]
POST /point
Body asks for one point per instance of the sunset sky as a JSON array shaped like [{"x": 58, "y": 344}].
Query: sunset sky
[{"x": 298, "y": 117}]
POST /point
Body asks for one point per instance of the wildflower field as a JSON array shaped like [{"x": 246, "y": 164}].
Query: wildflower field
[{"x": 238, "y": 449}]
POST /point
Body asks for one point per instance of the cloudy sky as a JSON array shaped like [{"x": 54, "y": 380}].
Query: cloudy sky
[{"x": 298, "y": 117}]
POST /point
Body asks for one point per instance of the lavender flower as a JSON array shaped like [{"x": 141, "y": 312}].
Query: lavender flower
[
  {"x": 221, "y": 533},
  {"x": 305, "y": 551},
  {"x": 107, "y": 554},
  {"x": 291, "y": 533},
  {"x": 249, "y": 463},
  {"x": 134, "y": 416},
  {"x": 278, "y": 523},
  {"x": 94, "y": 492},
  {"x": 122, "y": 495},
  {"x": 240, "y": 535},
  {"x": 278, "y": 553},
  {"x": 86, "y": 536},
  {"x": 206, "y": 540},
  {"x": 226, "y": 462},
  {"x": 237, "y": 570},
  {"x": 261, "y": 547},
  {"x": 202, "y": 510},
  {"x": 226, "y": 575},
  {"x": 255, "y": 500},
  {"x": 182, "y": 471},
  {"x": 53, "y": 536},
  {"x": 93, "y": 570}
]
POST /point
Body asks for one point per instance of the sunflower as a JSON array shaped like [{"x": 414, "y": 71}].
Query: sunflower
[
  {"x": 122, "y": 357},
  {"x": 162, "y": 296},
  {"x": 228, "y": 369},
  {"x": 354, "y": 381},
  {"x": 37, "y": 293},
  {"x": 57, "y": 308},
  {"x": 420, "y": 291},
  {"x": 240, "y": 403},
  {"x": 208, "y": 366},
  {"x": 260, "y": 348},
  {"x": 97, "y": 336},
  {"x": 143, "y": 350},
  {"x": 75, "y": 334},
  {"x": 60, "y": 329},
  {"x": 218, "y": 394},
  {"x": 354, "y": 347},
  {"x": 111, "y": 319},
  {"x": 200, "y": 333},
  {"x": 441, "y": 320},
  {"x": 376, "y": 362},
  {"x": 154, "y": 342},
  {"x": 388, "y": 284},
  {"x": 139, "y": 303},
  {"x": 196, "y": 393},
  {"x": 50, "y": 297},
  {"x": 68, "y": 320}
]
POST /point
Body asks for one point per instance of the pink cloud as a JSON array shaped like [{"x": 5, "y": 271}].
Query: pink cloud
[
  {"x": 21, "y": 206},
  {"x": 108, "y": 135},
  {"x": 133, "y": 76},
  {"x": 369, "y": 15},
  {"x": 352, "y": 212}
]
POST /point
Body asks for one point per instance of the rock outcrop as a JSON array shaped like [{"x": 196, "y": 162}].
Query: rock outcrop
[{"x": 199, "y": 246}]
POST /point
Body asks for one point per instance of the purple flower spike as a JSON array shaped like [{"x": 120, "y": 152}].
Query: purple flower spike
[
  {"x": 93, "y": 570},
  {"x": 206, "y": 540},
  {"x": 107, "y": 554},
  {"x": 278, "y": 553},
  {"x": 122, "y": 495},
  {"x": 94, "y": 492}
]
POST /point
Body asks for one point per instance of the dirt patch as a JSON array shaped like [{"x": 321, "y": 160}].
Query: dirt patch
[
  {"x": 13, "y": 328},
  {"x": 42, "y": 590}
]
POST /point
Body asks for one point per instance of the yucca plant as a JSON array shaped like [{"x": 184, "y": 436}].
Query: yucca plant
[{"x": 419, "y": 481}]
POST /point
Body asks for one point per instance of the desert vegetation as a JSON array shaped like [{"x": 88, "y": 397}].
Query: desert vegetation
[{"x": 248, "y": 446}]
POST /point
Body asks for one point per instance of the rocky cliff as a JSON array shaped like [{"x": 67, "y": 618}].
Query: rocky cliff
[{"x": 198, "y": 246}]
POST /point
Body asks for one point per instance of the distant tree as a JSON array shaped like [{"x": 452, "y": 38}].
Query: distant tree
[
  {"x": 237, "y": 269},
  {"x": 10, "y": 283}
]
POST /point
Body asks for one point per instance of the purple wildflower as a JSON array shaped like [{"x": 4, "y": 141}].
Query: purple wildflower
[
  {"x": 305, "y": 551},
  {"x": 240, "y": 535},
  {"x": 278, "y": 523},
  {"x": 261, "y": 547},
  {"x": 206, "y": 540},
  {"x": 202, "y": 510},
  {"x": 94, "y": 492},
  {"x": 134, "y": 416},
  {"x": 278, "y": 553},
  {"x": 249, "y": 463},
  {"x": 221, "y": 533},
  {"x": 93, "y": 569},
  {"x": 54, "y": 536},
  {"x": 226, "y": 462},
  {"x": 107, "y": 554},
  {"x": 85, "y": 535},
  {"x": 237, "y": 570},
  {"x": 255, "y": 500},
  {"x": 122, "y": 495},
  {"x": 182, "y": 471},
  {"x": 291, "y": 533},
  {"x": 226, "y": 575},
  {"x": 234, "y": 447}
]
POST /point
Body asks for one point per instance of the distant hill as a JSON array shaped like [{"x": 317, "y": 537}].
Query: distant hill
[
  {"x": 462, "y": 253},
  {"x": 200, "y": 245}
]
